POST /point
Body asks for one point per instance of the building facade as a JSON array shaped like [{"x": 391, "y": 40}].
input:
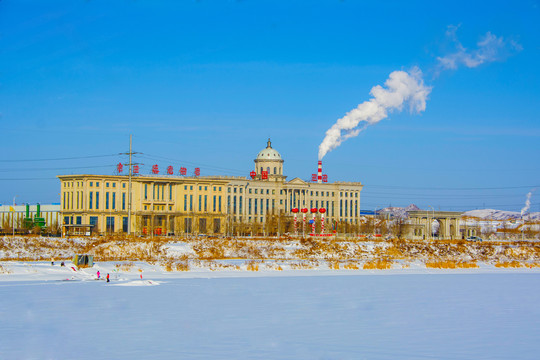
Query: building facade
[
  {"x": 14, "y": 216},
  {"x": 261, "y": 203}
]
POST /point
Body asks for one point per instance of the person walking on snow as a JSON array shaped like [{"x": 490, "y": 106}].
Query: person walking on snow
[
  {"x": 98, "y": 274},
  {"x": 107, "y": 277}
]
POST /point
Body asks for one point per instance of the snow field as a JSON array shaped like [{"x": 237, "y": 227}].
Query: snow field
[{"x": 418, "y": 316}]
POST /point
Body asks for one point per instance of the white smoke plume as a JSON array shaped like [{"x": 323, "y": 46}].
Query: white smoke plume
[
  {"x": 401, "y": 87},
  {"x": 490, "y": 48},
  {"x": 527, "y": 203}
]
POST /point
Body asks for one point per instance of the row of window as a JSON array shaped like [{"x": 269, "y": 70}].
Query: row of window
[
  {"x": 109, "y": 222},
  {"x": 75, "y": 201},
  {"x": 216, "y": 188},
  {"x": 72, "y": 184},
  {"x": 255, "y": 206},
  {"x": 261, "y": 219},
  {"x": 348, "y": 208},
  {"x": 268, "y": 170},
  {"x": 158, "y": 191},
  {"x": 202, "y": 204},
  {"x": 303, "y": 192}
]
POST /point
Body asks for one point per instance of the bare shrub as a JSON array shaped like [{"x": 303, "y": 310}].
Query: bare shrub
[
  {"x": 252, "y": 266},
  {"x": 450, "y": 264},
  {"x": 509, "y": 264},
  {"x": 182, "y": 266},
  {"x": 351, "y": 266},
  {"x": 379, "y": 264},
  {"x": 3, "y": 270}
]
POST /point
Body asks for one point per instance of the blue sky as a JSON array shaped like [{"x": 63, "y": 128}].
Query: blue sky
[{"x": 205, "y": 83}]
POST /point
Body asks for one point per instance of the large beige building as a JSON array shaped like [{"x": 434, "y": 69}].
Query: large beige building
[{"x": 261, "y": 203}]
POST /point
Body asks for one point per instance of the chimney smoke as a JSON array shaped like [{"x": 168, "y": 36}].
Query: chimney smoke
[{"x": 401, "y": 87}]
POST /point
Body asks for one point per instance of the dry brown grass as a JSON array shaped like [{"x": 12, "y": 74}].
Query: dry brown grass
[
  {"x": 379, "y": 264},
  {"x": 509, "y": 264},
  {"x": 182, "y": 266},
  {"x": 300, "y": 253},
  {"x": 303, "y": 265},
  {"x": 451, "y": 264},
  {"x": 334, "y": 265},
  {"x": 124, "y": 267},
  {"x": 3, "y": 270},
  {"x": 216, "y": 266},
  {"x": 252, "y": 266},
  {"x": 351, "y": 266}
]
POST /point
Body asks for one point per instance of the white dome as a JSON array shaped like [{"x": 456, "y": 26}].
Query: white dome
[{"x": 268, "y": 153}]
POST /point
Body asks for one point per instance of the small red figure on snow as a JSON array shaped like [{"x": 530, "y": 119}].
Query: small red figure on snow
[
  {"x": 107, "y": 277},
  {"x": 98, "y": 274}
]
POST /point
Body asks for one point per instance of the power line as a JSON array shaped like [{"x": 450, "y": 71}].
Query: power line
[
  {"x": 219, "y": 168},
  {"x": 24, "y": 179},
  {"x": 450, "y": 188},
  {"x": 62, "y": 168},
  {"x": 56, "y": 159},
  {"x": 441, "y": 196},
  {"x": 379, "y": 204}
]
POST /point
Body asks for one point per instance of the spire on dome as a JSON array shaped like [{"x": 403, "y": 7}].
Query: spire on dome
[{"x": 269, "y": 144}]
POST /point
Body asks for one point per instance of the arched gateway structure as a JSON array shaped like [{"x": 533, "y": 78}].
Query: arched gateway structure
[{"x": 420, "y": 225}]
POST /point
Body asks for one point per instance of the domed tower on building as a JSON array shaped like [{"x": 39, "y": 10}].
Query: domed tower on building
[{"x": 269, "y": 164}]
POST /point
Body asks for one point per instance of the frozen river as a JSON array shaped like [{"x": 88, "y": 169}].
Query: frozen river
[{"x": 422, "y": 316}]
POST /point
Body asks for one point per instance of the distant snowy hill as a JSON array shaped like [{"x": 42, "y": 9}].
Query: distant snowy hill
[
  {"x": 485, "y": 214},
  {"x": 400, "y": 212},
  {"x": 491, "y": 214}
]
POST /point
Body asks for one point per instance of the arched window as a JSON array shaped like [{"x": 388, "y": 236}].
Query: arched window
[
  {"x": 268, "y": 170},
  {"x": 275, "y": 171}
]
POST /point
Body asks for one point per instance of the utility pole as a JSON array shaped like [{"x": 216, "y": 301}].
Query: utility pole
[
  {"x": 131, "y": 163},
  {"x": 129, "y": 184}
]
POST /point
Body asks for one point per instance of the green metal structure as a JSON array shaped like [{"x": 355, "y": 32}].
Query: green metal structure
[{"x": 37, "y": 220}]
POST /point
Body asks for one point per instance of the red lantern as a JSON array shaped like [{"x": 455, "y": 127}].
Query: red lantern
[
  {"x": 322, "y": 210},
  {"x": 304, "y": 210},
  {"x": 313, "y": 210},
  {"x": 295, "y": 210},
  {"x": 252, "y": 174}
]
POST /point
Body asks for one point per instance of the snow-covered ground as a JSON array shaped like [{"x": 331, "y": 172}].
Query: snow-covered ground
[{"x": 413, "y": 313}]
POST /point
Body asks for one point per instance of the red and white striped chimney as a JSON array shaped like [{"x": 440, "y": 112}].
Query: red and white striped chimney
[{"x": 319, "y": 172}]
